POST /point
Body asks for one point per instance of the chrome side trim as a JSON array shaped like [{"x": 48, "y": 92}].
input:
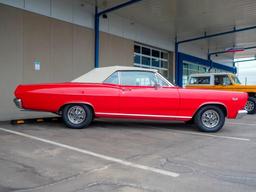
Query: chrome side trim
[
  {"x": 144, "y": 115},
  {"x": 241, "y": 113}
]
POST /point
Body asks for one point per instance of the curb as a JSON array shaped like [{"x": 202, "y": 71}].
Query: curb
[{"x": 35, "y": 120}]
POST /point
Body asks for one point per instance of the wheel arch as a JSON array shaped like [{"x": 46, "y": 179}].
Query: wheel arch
[
  {"x": 222, "y": 106},
  {"x": 252, "y": 94},
  {"x": 76, "y": 102}
]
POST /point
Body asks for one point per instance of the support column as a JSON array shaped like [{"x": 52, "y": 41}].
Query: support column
[
  {"x": 176, "y": 63},
  {"x": 97, "y": 38}
]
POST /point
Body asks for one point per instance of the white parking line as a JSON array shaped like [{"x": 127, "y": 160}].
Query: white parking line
[
  {"x": 249, "y": 124},
  {"x": 210, "y": 135},
  {"x": 108, "y": 158}
]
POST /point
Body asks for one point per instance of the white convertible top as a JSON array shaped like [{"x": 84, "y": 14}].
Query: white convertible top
[{"x": 98, "y": 75}]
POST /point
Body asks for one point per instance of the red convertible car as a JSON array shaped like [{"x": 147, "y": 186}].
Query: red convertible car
[{"x": 130, "y": 92}]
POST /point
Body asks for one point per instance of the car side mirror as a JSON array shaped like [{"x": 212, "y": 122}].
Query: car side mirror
[{"x": 157, "y": 85}]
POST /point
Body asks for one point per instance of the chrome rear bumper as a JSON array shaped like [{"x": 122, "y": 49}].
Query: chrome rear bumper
[
  {"x": 18, "y": 102},
  {"x": 241, "y": 113}
]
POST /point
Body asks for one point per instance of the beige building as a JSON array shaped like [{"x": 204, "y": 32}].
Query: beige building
[
  {"x": 39, "y": 46},
  {"x": 53, "y": 40}
]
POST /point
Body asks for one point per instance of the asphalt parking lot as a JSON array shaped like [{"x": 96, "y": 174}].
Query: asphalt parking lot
[{"x": 128, "y": 156}]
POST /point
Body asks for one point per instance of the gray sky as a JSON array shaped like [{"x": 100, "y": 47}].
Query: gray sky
[{"x": 247, "y": 70}]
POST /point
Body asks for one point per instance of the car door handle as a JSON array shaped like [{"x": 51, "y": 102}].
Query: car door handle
[{"x": 126, "y": 89}]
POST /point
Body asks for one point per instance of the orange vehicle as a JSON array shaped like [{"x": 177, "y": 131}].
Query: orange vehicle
[{"x": 225, "y": 82}]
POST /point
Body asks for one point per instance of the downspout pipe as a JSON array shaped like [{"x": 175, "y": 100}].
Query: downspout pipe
[
  {"x": 177, "y": 71},
  {"x": 96, "y": 38}
]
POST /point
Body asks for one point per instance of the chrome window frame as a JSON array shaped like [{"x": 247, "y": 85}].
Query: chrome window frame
[{"x": 156, "y": 74}]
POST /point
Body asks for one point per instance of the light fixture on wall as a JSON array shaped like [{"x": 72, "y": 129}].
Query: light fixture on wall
[
  {"x": 104, "y": 5},
  {"x": 104, "y": 16}
]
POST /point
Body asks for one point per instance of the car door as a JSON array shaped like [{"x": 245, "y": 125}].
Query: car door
[
  {"x": 106, "y": 96},
  {"x": 140, "y": 97}
]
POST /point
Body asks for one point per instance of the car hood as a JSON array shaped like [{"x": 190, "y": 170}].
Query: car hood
[{"x": 246, "y": 86}]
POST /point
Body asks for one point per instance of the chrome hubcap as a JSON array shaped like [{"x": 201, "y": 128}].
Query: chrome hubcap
[
  {"x": 249, "y": 106},
  {"x": 210, "y": 118},
  {"x": 76, "y": 114}
]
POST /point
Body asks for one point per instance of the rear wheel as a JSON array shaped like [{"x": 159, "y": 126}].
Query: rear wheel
[
  {"x": 251, "y": 105},
  {"x": 210, "y": 119},
  {"x": 77, "y": 116}
]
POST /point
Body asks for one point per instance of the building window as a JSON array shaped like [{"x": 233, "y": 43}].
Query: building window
[{"x": 150, "y": 57}]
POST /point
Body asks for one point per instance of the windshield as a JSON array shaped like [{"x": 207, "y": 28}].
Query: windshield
[
  {"x": 163, "y": 81},
  {"x": 235, "y": 79}
]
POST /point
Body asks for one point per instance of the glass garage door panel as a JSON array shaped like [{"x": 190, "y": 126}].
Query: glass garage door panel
[
  {"x": 153, "y": 58},
  {"x": 190, "y": 68}
]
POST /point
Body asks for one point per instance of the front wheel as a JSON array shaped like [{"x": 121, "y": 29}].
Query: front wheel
[
  {"x": 210, "y": 119},
  {"x": 77, "y": 116},
  {"x": 251, "y": 105}
]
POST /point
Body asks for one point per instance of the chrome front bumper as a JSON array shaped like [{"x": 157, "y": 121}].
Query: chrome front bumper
[
  {"x": 241, "y": 113},
  {"x": 18, "y": 102}
]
